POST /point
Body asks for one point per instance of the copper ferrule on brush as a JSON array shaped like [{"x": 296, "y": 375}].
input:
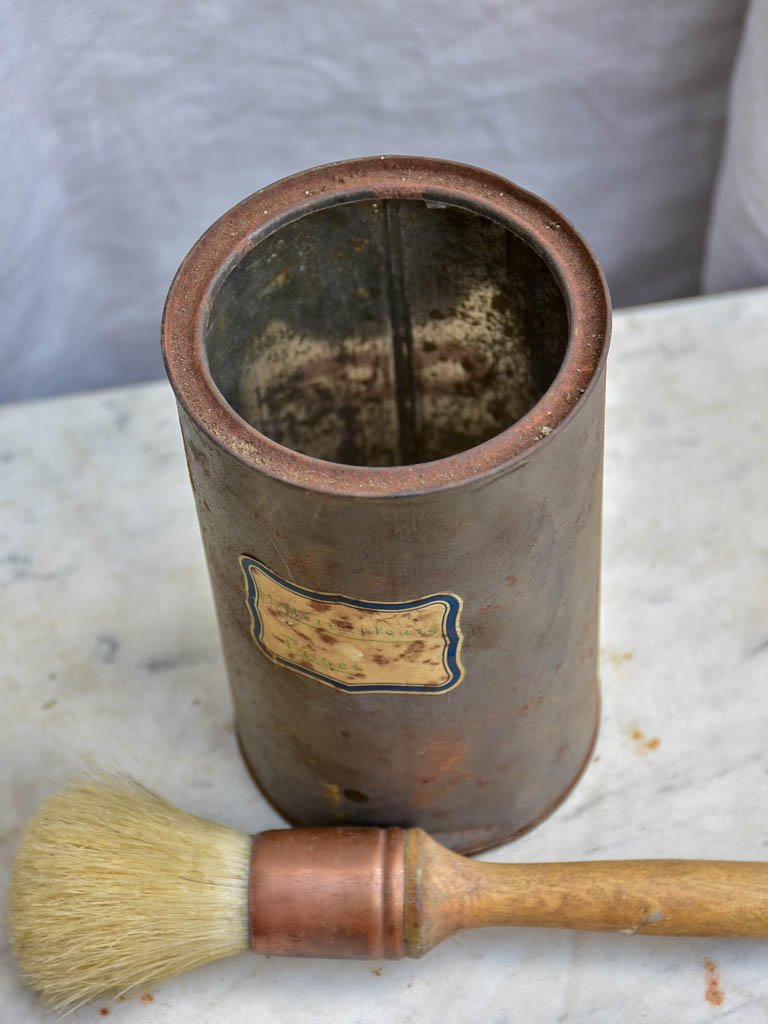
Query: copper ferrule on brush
[{"x": 328, "y": 892}]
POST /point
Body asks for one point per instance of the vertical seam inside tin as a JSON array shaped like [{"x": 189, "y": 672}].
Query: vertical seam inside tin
[{"x": 402, "y": 337}]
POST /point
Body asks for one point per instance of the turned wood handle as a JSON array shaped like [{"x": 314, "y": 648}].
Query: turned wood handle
[{"x": 446, "y": 893}]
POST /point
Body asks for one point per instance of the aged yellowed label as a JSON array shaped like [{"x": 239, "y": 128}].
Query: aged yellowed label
[{"x": 412, "y": 646}]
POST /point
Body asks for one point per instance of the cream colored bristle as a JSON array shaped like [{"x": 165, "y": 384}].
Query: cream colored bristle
[{"x": 114, "y": 888}]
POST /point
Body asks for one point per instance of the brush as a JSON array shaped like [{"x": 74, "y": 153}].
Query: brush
[{"x": 115, "y": 888}]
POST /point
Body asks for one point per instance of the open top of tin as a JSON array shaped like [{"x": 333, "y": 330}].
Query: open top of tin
[{"x": 385, "y": 325}]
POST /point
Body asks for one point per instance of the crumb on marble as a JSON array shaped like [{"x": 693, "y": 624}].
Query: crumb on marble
[
  {"x": 714, "y": 994},
  {"x": 619, "y": 657},
  {"x": 642, "y": 745}
]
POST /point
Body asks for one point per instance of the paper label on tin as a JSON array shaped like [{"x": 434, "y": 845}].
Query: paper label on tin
[{"x": 352, "y": 645}]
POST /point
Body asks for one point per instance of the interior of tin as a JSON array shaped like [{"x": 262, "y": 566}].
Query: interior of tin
[{"x": 388, "y": 332}]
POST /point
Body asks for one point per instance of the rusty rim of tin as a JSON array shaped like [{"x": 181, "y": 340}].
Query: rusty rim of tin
[{"x": 246, "y": 225}]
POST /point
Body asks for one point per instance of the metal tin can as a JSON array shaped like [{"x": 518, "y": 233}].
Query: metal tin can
[{"x": 390, "y": 382}]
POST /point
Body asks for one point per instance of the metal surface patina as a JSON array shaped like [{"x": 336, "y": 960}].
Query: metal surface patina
[
  {"x": 390, "y": 382},
  {"x": 328, "y": 892}
]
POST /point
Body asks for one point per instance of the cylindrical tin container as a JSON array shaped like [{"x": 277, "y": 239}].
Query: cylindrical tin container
[{"x": 390, "y": 381}]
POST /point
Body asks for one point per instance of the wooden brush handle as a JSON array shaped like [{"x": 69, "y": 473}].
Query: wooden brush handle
[
  {"x": 372, "y": 893},
  {"x": 446, "y": 893}
]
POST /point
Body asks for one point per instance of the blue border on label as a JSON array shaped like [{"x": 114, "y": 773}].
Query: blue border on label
[{"x": 449, "y": 627}]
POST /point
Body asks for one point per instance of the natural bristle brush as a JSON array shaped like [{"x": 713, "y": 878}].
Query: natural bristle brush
[{"x": 115, "y": 888}]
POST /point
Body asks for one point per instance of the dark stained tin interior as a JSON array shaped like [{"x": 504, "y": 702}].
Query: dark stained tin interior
[
  {"x": 386, "y": 326},
  {"x": 386, "y": 332}
]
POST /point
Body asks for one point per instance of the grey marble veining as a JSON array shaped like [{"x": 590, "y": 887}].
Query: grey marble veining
[{"x": 110, "y": 652}]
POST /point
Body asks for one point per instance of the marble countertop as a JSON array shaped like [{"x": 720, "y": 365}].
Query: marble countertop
[{"x": 110, "y": 652}]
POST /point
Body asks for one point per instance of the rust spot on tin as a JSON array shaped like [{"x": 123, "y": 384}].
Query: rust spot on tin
[
  {"x": 318, "y": 606},
  {"x": 147, "y": 997},
  {"x": 532, "y": 704},
  {"x": 443, "y": 765},
  {"x": 713, "y": 994},
  {"x": 276, "y": 282},
  {"x": 380, "y": 659},
  {"x": 377, "y": 971},
  {"x": 335, "y": 800},
  {"x": 326, "y": 638},
  {"x": 104, "y": 1011}
]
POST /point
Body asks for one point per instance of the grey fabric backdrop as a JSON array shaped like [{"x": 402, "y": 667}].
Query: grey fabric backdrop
[
  {"x": 737, "y": 253},
  {"x": 128, "y": 128}
]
